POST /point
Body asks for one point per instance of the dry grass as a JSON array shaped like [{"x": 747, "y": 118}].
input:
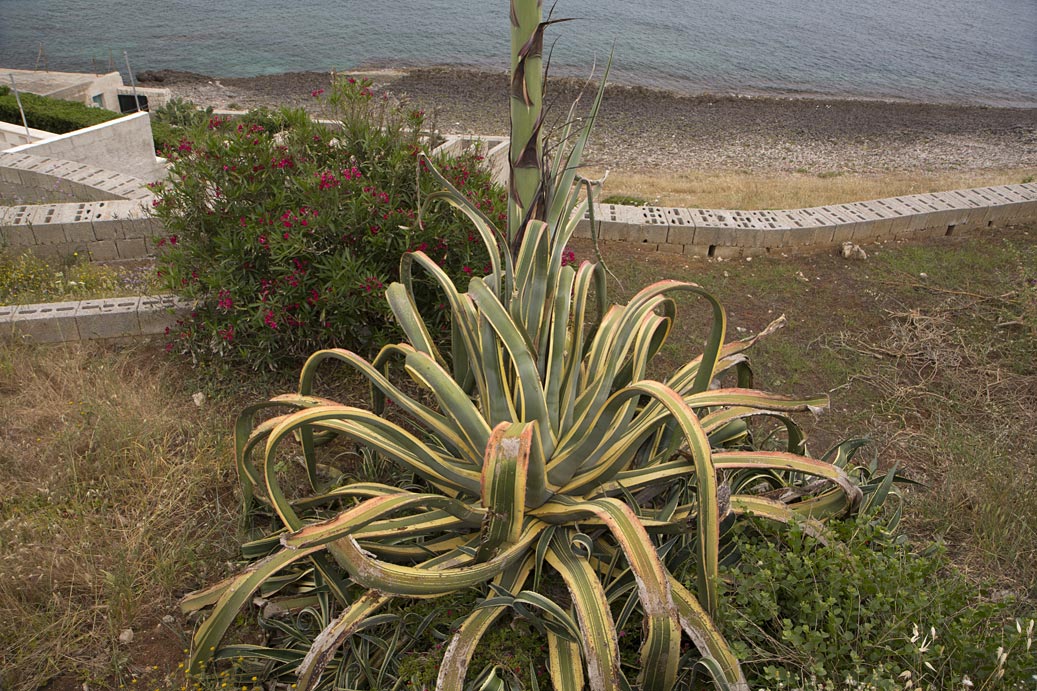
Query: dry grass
[
  {"x": 117, "y": 493},
  {"x": 116, "y": 496},
  {"x": 733, "y": 190}
]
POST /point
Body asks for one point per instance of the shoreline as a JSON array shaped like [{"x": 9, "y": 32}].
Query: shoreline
[
  {"x": 674, "y": 89},
  {"x": 647, "y": 130}
]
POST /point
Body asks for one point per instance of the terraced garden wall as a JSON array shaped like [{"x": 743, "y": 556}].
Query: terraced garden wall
[{"x": 106, "y": 215}]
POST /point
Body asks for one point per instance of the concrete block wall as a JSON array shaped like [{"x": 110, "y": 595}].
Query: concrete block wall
[
  {"x": 126, "y": 231},
  {"x": 104, "y": 231},
  {"x": 110, "y": 220},
  {"x": 59, "y": 179},
  {"x": 91, "y": 319},
  {"x": 729, "y": 234},
  {"x": 124, "y": 145}
]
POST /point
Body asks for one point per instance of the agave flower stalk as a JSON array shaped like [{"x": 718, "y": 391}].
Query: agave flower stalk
[{"x": 526, "y": 191}]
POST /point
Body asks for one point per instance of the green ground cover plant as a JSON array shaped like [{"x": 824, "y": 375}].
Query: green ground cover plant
[
  {"x": 868, "y": 612},
  {"x": 51, "y": 114},
  {"x": 929, "y": 349},
  {"x": 624, "y": 200},
  {"x": 286, "y": 231}
]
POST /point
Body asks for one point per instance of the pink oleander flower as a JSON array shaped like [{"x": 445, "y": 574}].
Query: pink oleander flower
[
  {"x": 328, "y": 180},
  {"x": 372, "y": 283}
]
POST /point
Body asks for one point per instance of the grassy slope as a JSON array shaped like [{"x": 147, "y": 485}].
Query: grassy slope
[
  {"x": 928, "y": 350},
  {"x": 116, "y": 497},
  {"x": 117, "y": 492}
]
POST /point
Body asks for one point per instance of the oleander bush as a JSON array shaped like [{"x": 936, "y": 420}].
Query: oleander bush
[
  {"x": 868, "y": 612},
  {"x": 285, "y": 231},
  {"x": 52, "y": 114},
  {"x": 174, "y": 121}
]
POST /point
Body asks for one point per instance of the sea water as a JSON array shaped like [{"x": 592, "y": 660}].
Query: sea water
[{"x": 964, "y": 51}]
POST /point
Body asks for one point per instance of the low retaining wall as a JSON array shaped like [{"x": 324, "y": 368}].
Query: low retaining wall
[
  {"x": 731, "y": 234},
  {"x": 60, "y": 179},
  {"x": 123, "y": 230},
  {"x": 90, "y": 319},
  {"x": 124, "y": 145},
  {"x": 109, "y": 229},
  {"x": 104, "y": 231}
]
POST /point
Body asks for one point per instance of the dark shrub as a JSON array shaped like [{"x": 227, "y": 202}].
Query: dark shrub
[
  {"x": 51, "y": 114},
  {"x": 286, "y": 231}
]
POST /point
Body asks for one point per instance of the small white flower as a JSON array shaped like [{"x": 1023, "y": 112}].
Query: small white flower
[{"x": 966, "y": 682}]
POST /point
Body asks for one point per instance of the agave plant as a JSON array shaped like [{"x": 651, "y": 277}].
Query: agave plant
[{"x": 543, "y": 454}]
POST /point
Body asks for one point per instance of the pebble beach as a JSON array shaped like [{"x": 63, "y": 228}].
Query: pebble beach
[{"x": 646, "y": 131}]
